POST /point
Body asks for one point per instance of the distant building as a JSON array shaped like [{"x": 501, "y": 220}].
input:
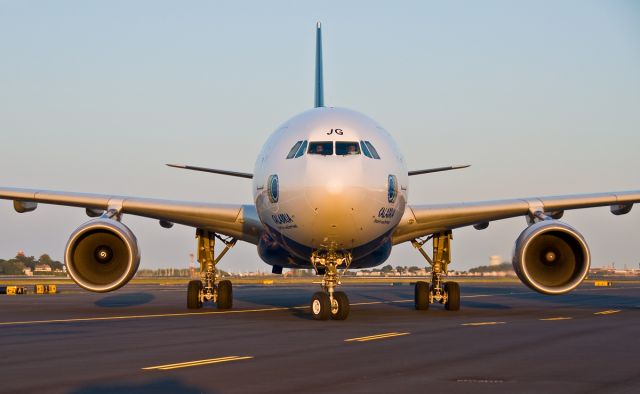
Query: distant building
[
  {"x": 27, "y": 271},
  {"x": 42, "y": 268},
  {"x": 495, "y": 260}
]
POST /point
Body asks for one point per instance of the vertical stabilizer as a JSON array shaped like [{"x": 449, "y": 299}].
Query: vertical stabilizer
[{"x": 319, "y": 94}]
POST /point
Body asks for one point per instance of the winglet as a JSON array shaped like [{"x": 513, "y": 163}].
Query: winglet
[{"x": 319, "y": 88}]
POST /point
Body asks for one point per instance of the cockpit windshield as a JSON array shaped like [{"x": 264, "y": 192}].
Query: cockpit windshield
[
  {"x": 372, "y": 150},
  {"x": 324, "y": 148},
  {"x": 294, "y": 150},
  {"x": 347, "y": 148}
]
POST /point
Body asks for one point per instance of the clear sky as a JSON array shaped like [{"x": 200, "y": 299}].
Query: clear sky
[{"x": 541, "y": 98}]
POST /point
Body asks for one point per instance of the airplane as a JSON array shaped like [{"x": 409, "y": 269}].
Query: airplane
[{"x": 330, "y": 190}]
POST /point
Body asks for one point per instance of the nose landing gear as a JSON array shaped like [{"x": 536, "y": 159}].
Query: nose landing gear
[
  {"x": 447, "y": 293},
  {"x": 330, "y": 303},
  {"x": 207, "y": 288}
]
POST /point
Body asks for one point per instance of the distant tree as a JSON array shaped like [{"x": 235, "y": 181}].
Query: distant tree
[
  {"x": 387, "y": 268},
  {"x": 11, "y": 268},
  {"x": 47, "y": 260},
  {"x": 27, "y": 261},
  {"x": 488, "y": 268},
  {"x": 413, "y": 268}
]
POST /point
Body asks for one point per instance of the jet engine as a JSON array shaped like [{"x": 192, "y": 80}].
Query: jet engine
[
  {"x": 102, "y": 255},
  {"x": 551, "y": 257}
]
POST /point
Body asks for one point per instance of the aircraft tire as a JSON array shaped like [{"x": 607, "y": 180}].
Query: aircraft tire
[
  {"x": 320, "y": 306},
  {"x": 342, "y": 302},
  {"x": 225, "y": 294},
  {"x": 193, "y": 294},
  {"x": 422, "y": 296},
  {"x": 453, "y": 301}
]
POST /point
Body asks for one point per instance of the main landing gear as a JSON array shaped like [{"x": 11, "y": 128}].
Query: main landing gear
[
  {"x": 447, "y": 293},
  {"x": 208, "y": 288},
  {"x": 329, "y": 303}
]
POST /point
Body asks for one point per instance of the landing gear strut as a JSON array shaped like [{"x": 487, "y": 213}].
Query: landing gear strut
[
  {"x": 208, "y": 288},
  {"x": 447, "y": 293},
  {"x": 328, "y": 302}
]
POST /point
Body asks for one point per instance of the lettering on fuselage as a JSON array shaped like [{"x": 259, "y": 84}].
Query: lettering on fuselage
[
  {"x": 284, "y": 221},
  {"x": 336, "y": 131},
  {"x": 385, "y": 215}
]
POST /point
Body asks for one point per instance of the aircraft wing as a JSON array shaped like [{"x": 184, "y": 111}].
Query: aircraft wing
[
  {"x": 422, "y": 220},
  {"x": 235, "y": 220}
]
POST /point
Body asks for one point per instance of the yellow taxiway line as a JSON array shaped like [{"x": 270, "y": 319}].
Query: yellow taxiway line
[
  {"x": 182, "y": 314},
  {"x": 556, "y": 318},
  {"x": 484, "y": 323},
  {"x": 378, "y": 336},
  {"x": 197, "y": 363},
  {"x": 607, "y": 312},
  {"x": 82, "y": 319},
  {"x": 226, "y": 312}
]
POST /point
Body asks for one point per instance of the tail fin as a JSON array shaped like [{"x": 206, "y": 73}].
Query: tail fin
[{"x": 319, "y": 95}]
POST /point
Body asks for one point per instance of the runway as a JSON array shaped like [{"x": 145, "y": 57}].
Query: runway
[{"x": 142, "y": 338}]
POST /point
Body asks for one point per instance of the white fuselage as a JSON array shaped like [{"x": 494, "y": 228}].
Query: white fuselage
[{"x": 350, "y": 200}]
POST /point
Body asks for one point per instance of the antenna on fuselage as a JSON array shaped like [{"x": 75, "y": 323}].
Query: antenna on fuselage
[{"x": 319, "y": 92}]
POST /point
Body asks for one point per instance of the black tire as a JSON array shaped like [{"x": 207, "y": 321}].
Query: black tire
[
  {"x": 342, "y": 304},
  {"x": 193, "y": 294},
  {"x": 225, "y": 294},
  {"x": 453, "y": 299},
  {"x": 422, "y": 296},
  {"x": 320, "y": 306}
]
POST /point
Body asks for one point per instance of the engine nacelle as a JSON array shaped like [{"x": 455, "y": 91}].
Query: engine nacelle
[
  {"x": 102, "y": 255},
  {"x": 551, "y": 257}
]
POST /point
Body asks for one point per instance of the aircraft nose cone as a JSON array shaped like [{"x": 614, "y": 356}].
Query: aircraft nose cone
[
  {"x": 334, "y": 187},
  {"x": 342, "y": 201}
]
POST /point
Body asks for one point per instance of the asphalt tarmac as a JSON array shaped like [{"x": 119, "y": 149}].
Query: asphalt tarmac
[{"x": 142, "y": 339}]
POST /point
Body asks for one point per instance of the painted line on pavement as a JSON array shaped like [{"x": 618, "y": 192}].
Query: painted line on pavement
[
  {"x": 607, "y": 312},
  {"x": 484, "y": 323},
  {"x": 107, "y": 318},
  {"x": 197, "y": 363},
  {"x": 183, "y": 314},
  {"x": 378, "y": 336},
  {"x": 556, "y": 318}
]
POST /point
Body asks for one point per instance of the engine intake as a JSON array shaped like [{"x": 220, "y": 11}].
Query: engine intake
[
  {"x": 102, "y": 255},
  {"x": 551, "y": 257}
]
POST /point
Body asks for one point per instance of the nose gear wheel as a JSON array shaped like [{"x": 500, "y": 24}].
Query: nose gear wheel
[{"x": 330, "y": 303}]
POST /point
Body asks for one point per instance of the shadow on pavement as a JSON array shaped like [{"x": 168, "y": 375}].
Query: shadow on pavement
[
  {"x": 124, "y": 300},
  {"x": 157, "y": 387}
]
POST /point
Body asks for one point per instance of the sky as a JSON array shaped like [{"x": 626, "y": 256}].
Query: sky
[{"x": 541, "y": 98}]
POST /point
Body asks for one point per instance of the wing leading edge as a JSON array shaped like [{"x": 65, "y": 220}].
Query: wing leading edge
[
  {"x": 422, "y": 220},
  {"x": 235, "y": 220}
]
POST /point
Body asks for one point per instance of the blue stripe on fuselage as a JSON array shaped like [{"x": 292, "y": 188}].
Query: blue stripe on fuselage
[{"x": 275, "y": 248}]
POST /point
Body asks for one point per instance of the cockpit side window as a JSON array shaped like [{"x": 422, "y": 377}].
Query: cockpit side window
[
  {"x": 294, "y": 150},
  {"x": 347, "y": 148},
  {"x": 373, "y": 150},
  {"x": 324, "y": 148},
  {"x": 302, "y": 149},
  {"x": 365, "y": 150}
]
